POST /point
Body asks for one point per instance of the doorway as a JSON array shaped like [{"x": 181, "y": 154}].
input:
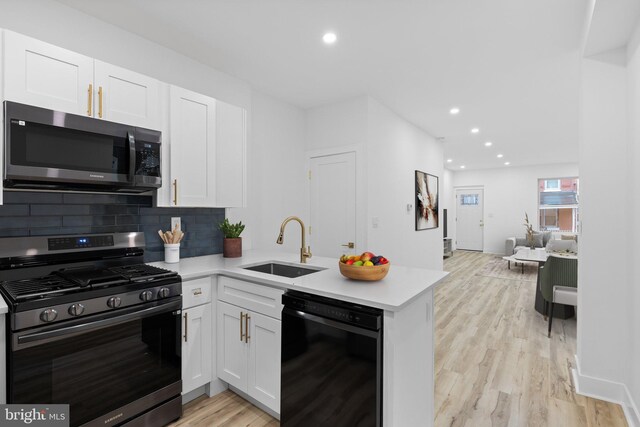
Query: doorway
[
  {"x": 332, "y": 191},
  {"x": 469, "y": 219}
]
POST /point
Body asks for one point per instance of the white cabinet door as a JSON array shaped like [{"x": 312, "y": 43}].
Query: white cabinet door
[
  {"x": 47, "y": 76},
  {"x": 125, "y": 96},
  {"x": 196, "y": 347},
  {"x": 264, "y": 360},
  {"x": 231, "y": 348},
  {"x": 230, "y": 155},
  {"x": 192, "y": 133}
]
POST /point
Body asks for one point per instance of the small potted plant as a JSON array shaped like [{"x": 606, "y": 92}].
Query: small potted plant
[{"x": 232, "y": 243}]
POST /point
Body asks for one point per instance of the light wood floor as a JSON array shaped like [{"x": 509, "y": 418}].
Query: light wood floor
[{"x": 494, "y": 364}]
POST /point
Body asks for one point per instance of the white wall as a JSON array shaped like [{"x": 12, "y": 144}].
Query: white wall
[
  {"x": 276, "y": 174},
  {"x": 633, "y": 253},
  {"x": 509, "y": 192},
  {"x": 395, "y": 149},
  {"x": 605, "y": 319},
  {"x": 389, "y": 149},
  {"x": 337, "y": 125}
]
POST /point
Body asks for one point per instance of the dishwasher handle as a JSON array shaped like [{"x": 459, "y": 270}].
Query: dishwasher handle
[{"x": 328, "y": 322}]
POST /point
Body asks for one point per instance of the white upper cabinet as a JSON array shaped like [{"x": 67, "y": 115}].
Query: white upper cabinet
[
  {"x": 230, "y": 155},
  {"x": 44, "y": 75},
  {"x": 41, "y": 74},
  {"x": 192, "y": 122},
  {"x": 207, "y": 151},
  {"x": 126, "y": 97}
]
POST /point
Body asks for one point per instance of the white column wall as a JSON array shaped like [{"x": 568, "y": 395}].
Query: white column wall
[
  {"x": 604, "y": 297},
  {"x": 633, "y": 252}
]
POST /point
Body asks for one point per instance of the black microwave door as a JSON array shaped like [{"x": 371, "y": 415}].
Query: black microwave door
[{"x": 45, "y": 145}]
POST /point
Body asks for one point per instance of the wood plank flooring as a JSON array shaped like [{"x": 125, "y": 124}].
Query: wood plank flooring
[{"x": 494, "y": 364}]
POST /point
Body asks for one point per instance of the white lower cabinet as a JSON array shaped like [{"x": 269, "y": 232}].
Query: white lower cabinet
[
  {"x": 197, "y": 335},
  {"x": 248, "y": 347},
  {"x": 263, "y": 374}
]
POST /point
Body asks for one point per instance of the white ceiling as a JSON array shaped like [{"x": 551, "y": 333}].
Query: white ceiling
[{"x": 511, "y": 66}]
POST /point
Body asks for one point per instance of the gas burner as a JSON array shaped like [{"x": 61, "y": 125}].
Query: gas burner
[
  {"x": 39, "y": 287},
  {"x": 91, "y": 276},
  {"x": 142, "y": 272}
]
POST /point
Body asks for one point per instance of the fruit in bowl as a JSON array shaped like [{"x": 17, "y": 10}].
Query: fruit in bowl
[{"x": 367, "y": 266}]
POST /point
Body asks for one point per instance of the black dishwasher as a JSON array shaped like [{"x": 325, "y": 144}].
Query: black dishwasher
[{"x": 331, "y": 363}]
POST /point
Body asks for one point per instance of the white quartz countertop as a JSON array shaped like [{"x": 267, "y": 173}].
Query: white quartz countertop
[{"x": 397, "y": 289}]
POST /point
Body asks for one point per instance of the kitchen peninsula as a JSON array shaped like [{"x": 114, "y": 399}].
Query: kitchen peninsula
[{"x": 405, "y": 295}]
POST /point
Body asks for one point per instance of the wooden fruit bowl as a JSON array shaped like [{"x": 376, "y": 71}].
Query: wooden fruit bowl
[{"x": 370, "y": 273}]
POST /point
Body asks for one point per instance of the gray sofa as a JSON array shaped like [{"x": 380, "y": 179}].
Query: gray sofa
[
  {"x": 514, "y": 244},
  {"x": 564, "y": 242}
]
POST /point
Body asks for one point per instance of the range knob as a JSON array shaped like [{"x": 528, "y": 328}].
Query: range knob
[
  {"x": 146, "y": 296},
  {"x": 114, "y": 302},
  {"x": 49, "y": 315},
  {"x": 76, "y": 309},
  {"x": 164, "y": 293}
]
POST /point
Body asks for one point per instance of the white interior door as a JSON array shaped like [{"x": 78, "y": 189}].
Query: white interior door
[
  {"x": 469, "y": 219},
  {"x": 333, "y": 204}
]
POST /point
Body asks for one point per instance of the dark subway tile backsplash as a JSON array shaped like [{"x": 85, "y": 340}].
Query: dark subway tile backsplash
[{"x": 27, "y": 213}]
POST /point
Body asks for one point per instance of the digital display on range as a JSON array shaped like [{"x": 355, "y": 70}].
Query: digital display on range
[{"x": 65, "y": 243}]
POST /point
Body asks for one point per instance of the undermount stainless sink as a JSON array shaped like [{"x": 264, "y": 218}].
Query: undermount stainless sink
[{"x": 286, "y": 270}]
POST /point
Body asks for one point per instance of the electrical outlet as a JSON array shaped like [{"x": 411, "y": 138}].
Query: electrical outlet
[{"x": 175, "y": 222}]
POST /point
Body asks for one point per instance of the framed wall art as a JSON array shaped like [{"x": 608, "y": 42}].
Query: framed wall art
[{"x": 426, "y": 201}]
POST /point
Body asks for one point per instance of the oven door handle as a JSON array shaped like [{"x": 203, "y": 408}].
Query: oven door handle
[{"x": 28, "y": 340}]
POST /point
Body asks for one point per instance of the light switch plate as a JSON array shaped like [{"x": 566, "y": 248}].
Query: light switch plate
[{"x": 175, "y": 221}]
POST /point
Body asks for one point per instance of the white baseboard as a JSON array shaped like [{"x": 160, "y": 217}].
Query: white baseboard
[{"x": 609, "y": 391}]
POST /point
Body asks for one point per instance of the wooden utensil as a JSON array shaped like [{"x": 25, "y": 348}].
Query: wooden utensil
[{"x": 162, "y": 236}]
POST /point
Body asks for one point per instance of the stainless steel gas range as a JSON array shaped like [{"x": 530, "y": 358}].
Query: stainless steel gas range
[{"x": 91, "y": 326}]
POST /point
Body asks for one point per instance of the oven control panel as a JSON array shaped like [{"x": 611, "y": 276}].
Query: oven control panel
[{"x": 79, "y": 242}]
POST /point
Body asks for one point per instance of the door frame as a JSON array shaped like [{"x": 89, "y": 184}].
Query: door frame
[
  {"x": 455, "y": 211},
  {"x": 361, "y": 196}
]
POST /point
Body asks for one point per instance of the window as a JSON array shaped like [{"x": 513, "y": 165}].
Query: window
[
  {"x": 469, "y": 199},
  {"x": 551, "y": 185},
  {"x": 558, "y": 204}
]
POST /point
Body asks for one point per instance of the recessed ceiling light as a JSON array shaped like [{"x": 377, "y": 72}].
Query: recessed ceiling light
[
  {"x": 449, "y": 160},
  {"x": 488, "y": 144},
  {"x": 462, "y": 167},
  {"x": 329, "y": 38},
  {"x": 507, "y": 163},
  {"x": 475, "y": 130},
  {"x": 454, "y": 110},
  {"x": 499, "y": 156}
]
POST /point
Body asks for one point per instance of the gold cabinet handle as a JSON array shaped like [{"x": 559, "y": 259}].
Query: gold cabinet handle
[
  {"x": 241, "y": 319},
  {"x": 350, "y": 245},
  {"x": 175, "y": 192},
  {"x": 246, "y": 327},
  {"x": 186, "y": 325},
  {"x": 90, "y": 103},
  {"x": 100, "y": 101}
]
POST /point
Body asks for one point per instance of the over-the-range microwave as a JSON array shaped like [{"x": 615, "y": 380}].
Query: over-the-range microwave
[{"x": 46, "y": 149}]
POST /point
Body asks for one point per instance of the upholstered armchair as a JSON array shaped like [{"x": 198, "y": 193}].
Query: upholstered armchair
[{"x": 559, "y": 283}]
